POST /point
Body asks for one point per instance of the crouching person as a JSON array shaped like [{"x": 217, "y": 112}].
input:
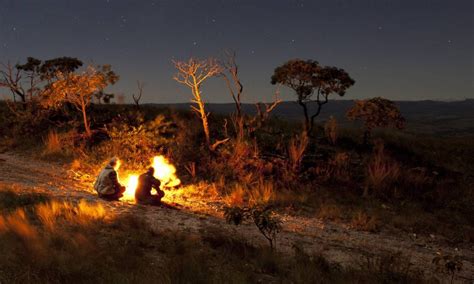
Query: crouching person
[
  {"x": 107, "y": 184},
  {"x": 146, "y": 182}
]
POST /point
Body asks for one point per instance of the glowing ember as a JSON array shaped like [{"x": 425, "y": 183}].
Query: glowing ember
[
  {"x": 164, "y": 172},
  {"x": 131, "y": 184}
]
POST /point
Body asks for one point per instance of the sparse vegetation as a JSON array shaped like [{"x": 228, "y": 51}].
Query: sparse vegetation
[{"x": 262, "y": 169}]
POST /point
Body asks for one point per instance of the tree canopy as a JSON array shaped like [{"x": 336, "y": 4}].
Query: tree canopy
[
  {"x": 312, "y": 82},
  {"x": 376, "y": 112}
]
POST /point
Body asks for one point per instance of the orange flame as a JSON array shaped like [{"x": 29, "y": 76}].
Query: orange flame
[{"x": 165, "y": 172}]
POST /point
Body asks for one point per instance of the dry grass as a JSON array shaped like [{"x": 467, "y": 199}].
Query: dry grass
[
  {"x": 296, "y": 149},
  {"x": 365, "y": 222},
  {"x": 236, "y": 196},
  {"x": 382, "y": 171},
  {"x": 262, "y": 194},
  {"x": 331, "y": 130},
  {"x": 52, "y": 143},
  {"x": 330, "y": 212}
]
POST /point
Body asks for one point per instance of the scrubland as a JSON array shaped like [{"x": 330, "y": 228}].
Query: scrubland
[{"x": 400, "y": 184}]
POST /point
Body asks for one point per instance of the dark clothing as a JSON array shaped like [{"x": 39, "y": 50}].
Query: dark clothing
[{"x": 146, "y": 182}]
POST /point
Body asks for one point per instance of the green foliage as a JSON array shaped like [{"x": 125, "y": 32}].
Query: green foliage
[
  {"x": 268, "y": 225},
  {"x": 143, "y": 141}
]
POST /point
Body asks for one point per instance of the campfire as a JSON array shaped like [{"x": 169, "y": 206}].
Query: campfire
[{"x": 165, "y": 172}]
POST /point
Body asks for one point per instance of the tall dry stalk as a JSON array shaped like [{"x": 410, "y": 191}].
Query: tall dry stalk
[
  {"x": 331, "y": 129},
  {"x": 52, "y": 143},
  {"x": 381, "y": 170},
  {"x": 296, "y": 149}
]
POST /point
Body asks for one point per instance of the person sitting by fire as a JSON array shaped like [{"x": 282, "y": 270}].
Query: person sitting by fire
[
  {"x": 146, "y": 182},
  {"x": 107, "y": 184}
]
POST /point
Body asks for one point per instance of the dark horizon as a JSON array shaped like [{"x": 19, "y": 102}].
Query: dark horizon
[{"x": 401, "y": 50}]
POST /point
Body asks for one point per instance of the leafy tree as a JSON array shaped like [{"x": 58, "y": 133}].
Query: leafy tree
[
  {"x": 376, "y": 112},
  {"x": 78, "y": 89},
  {"x": 25, "y": 81},
  {"x": 61, "y": 65},
  {"x": 312, "y": 83}
]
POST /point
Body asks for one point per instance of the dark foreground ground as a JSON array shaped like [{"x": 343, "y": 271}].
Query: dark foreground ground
[{"x": 191, "y": 243}]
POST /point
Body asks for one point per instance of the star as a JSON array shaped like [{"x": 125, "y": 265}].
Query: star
[
  {"x": 379, "y": 28},
  {"x": 14, "y": 29},
  {"x": 293, "y": 41},
  {"x": 450, "y": 41},
  {"x": 194, "y": 43}
]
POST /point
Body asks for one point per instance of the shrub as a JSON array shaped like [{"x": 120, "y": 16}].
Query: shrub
[
  {"x": 296, "y": 149},
  {"x": 331, "y": 130},
  {"x": 382, "y": 172},
  {"x": 135, "y": 145},
  {"x": 262, "y": 193},
  {"x": 268, "y": 225},
  {"x": 364, "y": 222}
]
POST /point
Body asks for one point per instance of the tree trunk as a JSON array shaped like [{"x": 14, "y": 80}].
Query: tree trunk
[
  {"x": 203, "y": 114},
  {"x": 306, "y": 116},
  {"x": 86, "y": 123}
]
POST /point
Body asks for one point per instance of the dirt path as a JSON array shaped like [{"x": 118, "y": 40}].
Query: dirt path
[{"x": 337, "y": 242}]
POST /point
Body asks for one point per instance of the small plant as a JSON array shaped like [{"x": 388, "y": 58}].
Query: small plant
[
  {"x": 382, "y": 171},
  {"x": 448, "y": 263},
  {"x": 331, "y": 130},
  {"x": 296, "y": 150},
  {"x": 364, "y": 222},
  {"x": 52, "y": 143},
  {"x": 262, "y": 193},
  {"x": 268, "y": 225}
]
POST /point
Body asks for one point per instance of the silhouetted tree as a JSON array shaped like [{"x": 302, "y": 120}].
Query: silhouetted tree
[
  {"x": 138, "y": 96},
  {"x": 376, "y": 112},
  {"x": 26, "y": 80},
  {"x": 312, "y": 83},
  {"x": 231, "y": 76},
  {"x": 61, "y": 65},
  {"x": 101, "y": 96}
]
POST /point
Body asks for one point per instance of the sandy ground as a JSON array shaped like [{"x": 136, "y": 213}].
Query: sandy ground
[{"x": 337, "y": 242}]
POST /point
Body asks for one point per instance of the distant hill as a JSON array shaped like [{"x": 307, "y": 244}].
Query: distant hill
[{"x": 444, "y": 118}]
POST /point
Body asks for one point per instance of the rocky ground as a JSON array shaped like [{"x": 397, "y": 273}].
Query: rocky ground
[{"x": 338, "y": 242}]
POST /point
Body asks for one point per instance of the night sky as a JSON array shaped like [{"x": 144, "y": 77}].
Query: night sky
[{"x": 401, "y": 50}]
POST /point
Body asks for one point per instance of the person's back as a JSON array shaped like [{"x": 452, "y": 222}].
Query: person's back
[
  {"x": 107, "y": 185},
  {"x": 146, "y": 182},
  {"x": 104, "y": 184}
]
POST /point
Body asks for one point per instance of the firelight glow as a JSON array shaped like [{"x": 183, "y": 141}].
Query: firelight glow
[{"x": 165, "y": 172}]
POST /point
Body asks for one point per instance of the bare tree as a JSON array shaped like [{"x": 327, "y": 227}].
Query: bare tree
[
  {"x": 193, "y": 73},
  {"x": 11, "y": 78},
  {"x": 231, "y": 76},
  {"x": 263, "y": 112},
  {"x": 138, "y": 97}
]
